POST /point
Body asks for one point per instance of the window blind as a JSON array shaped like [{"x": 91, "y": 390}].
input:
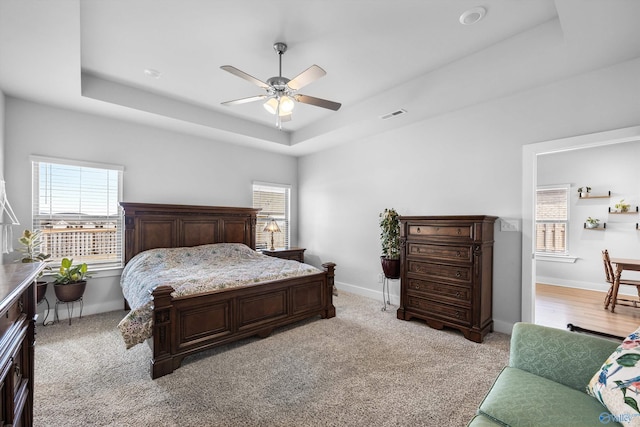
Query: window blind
[
  {"x": 274, "y": 200},
  {"x": 75, "y": 205}
]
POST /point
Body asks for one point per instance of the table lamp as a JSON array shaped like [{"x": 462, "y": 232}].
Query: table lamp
[{"x": 272, "y": 227}]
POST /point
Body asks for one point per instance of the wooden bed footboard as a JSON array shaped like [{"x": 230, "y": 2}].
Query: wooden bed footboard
[{"x": 190, "y": 324}]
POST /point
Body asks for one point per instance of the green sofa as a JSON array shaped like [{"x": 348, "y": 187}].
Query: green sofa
[{"x": 545, "y": 381}]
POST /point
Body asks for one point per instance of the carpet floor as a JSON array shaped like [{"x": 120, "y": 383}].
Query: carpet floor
[{"x": 363, "y": 367}]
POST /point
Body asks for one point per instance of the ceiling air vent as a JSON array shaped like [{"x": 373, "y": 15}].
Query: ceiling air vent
[{"x": 393, "y": 114}]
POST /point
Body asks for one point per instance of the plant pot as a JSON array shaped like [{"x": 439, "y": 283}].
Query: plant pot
[
  {"x": 41, "y": 290},
  {"x": 390, "y": 267},
  {"x": 70, "y": 292},
  {"x": 592, "y": 225}
]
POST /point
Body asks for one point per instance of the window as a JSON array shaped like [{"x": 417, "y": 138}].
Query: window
[
  {"x": 552, "y": 219},
  {"x": 75, "y": 204},
  {"x": 274, "y": 200}
]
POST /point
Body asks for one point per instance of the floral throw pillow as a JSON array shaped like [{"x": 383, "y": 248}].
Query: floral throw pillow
[{"x": 617, "y": 384}]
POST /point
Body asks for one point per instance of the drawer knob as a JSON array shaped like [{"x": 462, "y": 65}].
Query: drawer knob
[
  {"x": 458, "y": 294},
  {"x": 457, "y": 314},
  {"x": 418, "y": 230},
  {"x": 458, "y": 254},
  {"x": 459, "y": 232},
  {"x": 458, "y": 274}
]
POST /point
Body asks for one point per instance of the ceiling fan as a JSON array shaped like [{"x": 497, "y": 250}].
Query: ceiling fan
[{"x": 281, "y": 93}]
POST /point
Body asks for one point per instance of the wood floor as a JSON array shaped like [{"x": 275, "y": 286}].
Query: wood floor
[{"x": 556, "y": 306}]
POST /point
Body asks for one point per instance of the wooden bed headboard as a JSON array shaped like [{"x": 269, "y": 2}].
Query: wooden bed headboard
[{"x": 149, "y": 226}]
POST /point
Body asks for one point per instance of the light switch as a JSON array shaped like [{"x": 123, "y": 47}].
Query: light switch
[{"x": 509, "y": 224}]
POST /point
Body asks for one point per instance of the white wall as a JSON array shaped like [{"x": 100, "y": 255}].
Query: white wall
[
  {"x": 464, "y": 162},
  {"x": 612, "y": 168},
  {"x": 2, "y": 107},
  {"x": 160, "y": 167}
]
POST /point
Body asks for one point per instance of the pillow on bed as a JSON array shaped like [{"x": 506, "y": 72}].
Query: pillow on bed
[{"x": 617, "y": 384}]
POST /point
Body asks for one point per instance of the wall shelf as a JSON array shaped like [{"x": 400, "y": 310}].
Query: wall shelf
[
  {"x": 604, "y": 225},
  {"x": 631, "y": 211},
  {"x": 599, "y": 196}
]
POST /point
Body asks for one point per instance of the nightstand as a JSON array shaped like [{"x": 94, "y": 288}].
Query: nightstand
[{"x": 296, "y": 254}]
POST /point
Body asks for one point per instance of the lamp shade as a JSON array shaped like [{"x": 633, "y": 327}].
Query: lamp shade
[
  {"x": 282, "y": 106},
  {"x": 272, "y": 226},
  {"x": 271, "y": 105},
  {"x": 286, "y": 105}
]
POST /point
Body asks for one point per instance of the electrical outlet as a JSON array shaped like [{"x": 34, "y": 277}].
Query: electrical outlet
[{"x": 509, "y": 224}]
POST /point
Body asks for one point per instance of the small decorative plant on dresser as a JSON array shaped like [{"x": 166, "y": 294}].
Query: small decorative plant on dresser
[
  {"x": 390, "y": 240},
  {"x": 31, "y": 243}
]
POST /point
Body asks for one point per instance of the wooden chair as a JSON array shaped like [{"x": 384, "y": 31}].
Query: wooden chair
[{"x": 612, "y": 294}]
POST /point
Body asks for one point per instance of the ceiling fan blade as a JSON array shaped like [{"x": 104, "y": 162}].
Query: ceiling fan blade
[
  {"x": 233, "y": 70},
  {"x": 318, "y": 102},
  {"x": 245, "y": 100},
  {"x": 309, "y": 75}
]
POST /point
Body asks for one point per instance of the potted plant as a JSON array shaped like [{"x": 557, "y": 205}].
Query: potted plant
[
  {"x": 70, "y": 281},
  {"x": 592, "y": 222},
  {"x": 622, "y": 206},
  {"x": 584, "y": 191},
  {"x": 390, "y": 240},
  {"x": 31, "y": 242}
]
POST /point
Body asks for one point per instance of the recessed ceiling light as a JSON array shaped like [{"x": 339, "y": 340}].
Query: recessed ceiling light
[
  {"x": 150, "y": 72},
  {"x": 473, "y": 15}
]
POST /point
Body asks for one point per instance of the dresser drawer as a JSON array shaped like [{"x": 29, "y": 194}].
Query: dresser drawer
[
  {"x": 443, "y": 252},
  {"x": 459, "y": 273},
  {"x": 10, "y": 316},
  {"x": 462, "y": 232},
  {"x": 443, "y": 311},
  {"x": 440, "y": 291}
]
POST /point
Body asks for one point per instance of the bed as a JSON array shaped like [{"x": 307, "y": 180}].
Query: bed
[{"x": 184, "y": 323}]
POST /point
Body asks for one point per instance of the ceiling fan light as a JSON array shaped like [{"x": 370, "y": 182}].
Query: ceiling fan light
[
  {"x": 271, "y": 105},
  {"x": 286, "y": 105}
]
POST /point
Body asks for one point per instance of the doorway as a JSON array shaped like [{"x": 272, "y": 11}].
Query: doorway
[{"x": 530, "y": 158}]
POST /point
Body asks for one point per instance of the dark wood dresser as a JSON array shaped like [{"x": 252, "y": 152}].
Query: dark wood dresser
[
  {"x": 17, "y": 340},
  {"x": 446, "y": 272}
]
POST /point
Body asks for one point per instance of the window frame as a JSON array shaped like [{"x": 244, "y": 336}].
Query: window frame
[
  {"x": 36, "y": 219},
  {"x": 566, "y": 222},
  {"x": 283, "y": 222}
]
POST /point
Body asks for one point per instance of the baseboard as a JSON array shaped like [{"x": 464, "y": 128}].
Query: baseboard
[
  {"x": 394, "y": 288},
  {"x": 589, "y": 286},
  {"x": 502, "y": 326},
  {"x": 394, "y": 294},
  {"x": 87, "y": 310}
]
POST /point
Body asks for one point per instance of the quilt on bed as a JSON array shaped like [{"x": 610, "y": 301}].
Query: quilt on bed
[{"x": 194, "y": 270}]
